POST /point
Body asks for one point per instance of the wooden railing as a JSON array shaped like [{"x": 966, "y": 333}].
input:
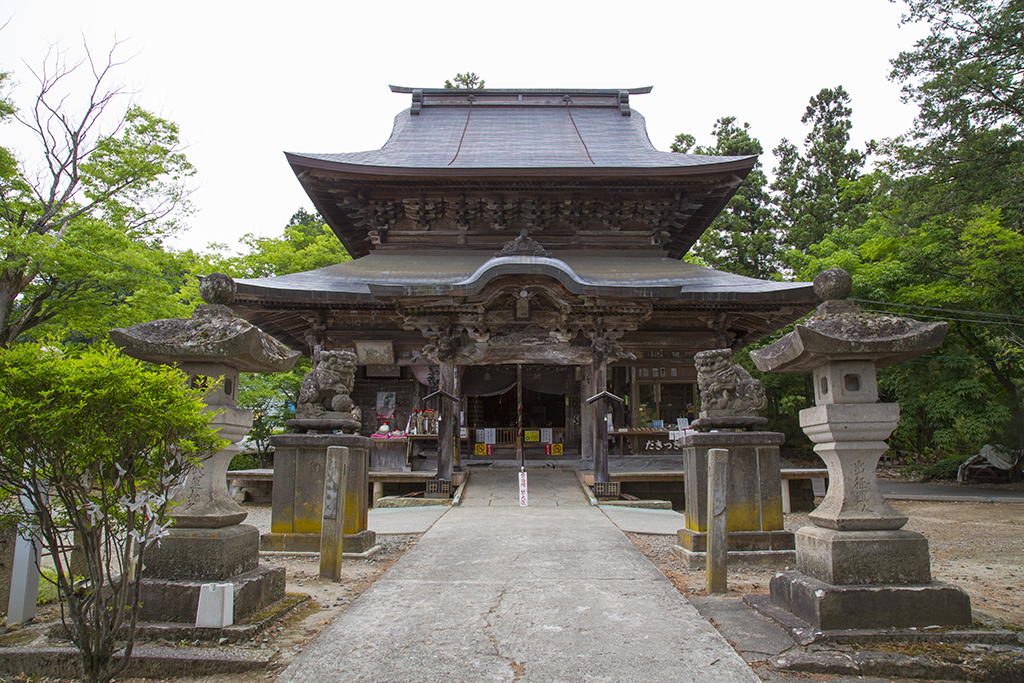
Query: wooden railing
[{"x": 506, "y": 436}]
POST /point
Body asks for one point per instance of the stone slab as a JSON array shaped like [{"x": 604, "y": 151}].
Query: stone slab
[
  {"x": 528, "y": 594},
  {"x": 204, "y": 554},
  {"x": 846, "y": 558},
  {"x": 352, "y": 545},
  {"x": 158, "y": 663},
  {"x": 177, "y": 601},
  {"x": 828, "y": 607},
  {"x": 404, "y": 520},
  {"x": 403, "y": 502},
  {"x": 290, "y": 543},
  {"x": 755, "y": 637},
  {"x": 643, "y": 521}
]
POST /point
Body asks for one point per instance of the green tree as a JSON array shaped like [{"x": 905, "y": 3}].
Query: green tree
[
  {"x": 967, "y": 270},
  {"x": 82, "y": 221},
  {"x": 809, "y": 184},
  {"x": 965, "y": 78},
  {"x": 743, "y": 239},
  {"x": 468, "y": 80},
  {"x": 95, "y": 440},
  {"x": 307, "y": 244}
]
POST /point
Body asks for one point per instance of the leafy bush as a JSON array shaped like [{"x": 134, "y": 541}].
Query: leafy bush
[{"x": 93, "y": 441}]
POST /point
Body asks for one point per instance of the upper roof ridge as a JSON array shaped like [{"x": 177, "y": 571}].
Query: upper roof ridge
[{"x": 522, "y": 97}]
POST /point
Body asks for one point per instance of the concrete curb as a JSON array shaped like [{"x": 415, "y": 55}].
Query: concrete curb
[
  {"x": 891, "y": 665},
  {"x": 586, "y": 489},
  {"x": 457, "y": 498}
]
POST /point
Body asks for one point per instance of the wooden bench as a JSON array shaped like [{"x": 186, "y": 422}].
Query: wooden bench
[
  {"x": 257, "y": 485},
  {"x": 253, "y": 485},
  {"x": 789, "y": 475}
]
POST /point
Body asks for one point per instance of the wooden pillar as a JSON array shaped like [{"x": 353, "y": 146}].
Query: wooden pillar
[
  {"x": 445, "y": 442},
  {"x": 599, "y": 411},
  {"x": 586, "y": 413}
]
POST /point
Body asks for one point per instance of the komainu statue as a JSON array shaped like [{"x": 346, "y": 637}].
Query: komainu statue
[
  {"x": 324, "y": 401},
  {"x": 726, "y": 389}
]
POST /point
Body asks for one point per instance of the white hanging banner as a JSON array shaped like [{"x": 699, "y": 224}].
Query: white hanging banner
[{"x": 522, "y": 488}]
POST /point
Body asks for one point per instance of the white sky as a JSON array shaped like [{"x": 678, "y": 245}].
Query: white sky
[{"x": 247, "y": 81}]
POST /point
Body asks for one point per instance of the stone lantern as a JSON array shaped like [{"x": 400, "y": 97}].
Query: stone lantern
[
  {"x": 208, "y": 542},
  {"x": 856, "y": 567}
]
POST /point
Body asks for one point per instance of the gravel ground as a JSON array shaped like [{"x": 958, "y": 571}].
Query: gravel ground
[{"x": 976, "y": 546}]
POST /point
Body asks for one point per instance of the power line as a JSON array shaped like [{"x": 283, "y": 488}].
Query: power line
[{"x": 941, "y": 310}]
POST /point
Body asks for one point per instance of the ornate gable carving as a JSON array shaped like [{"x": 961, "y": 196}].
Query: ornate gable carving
[{"x": 523, "y": 246}]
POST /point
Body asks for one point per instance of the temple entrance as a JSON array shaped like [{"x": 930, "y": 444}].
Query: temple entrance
[{"x": 506, "y": 407}]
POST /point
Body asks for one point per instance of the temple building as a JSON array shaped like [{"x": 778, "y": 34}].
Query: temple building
[{"x": 514, "y": 254}]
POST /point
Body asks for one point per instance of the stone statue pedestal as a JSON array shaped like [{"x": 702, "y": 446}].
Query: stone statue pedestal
[
  {"x": 756, "y": 533},
  {"x": 296, "y": 514}
]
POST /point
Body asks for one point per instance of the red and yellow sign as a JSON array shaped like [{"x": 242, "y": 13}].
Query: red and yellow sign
[
  {"x": 552, "y": 449},
  {"x": 483, "y": 449}
]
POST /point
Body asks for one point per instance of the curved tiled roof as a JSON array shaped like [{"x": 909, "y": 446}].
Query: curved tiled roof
[
  {"x": 623, "y": 274},
  {"x": 517, "y": 138}
]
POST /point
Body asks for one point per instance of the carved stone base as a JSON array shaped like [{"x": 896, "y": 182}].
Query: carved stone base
[
  {"x": 777, "y": 559},
  {"x": 353, "y": 545},
  {"x": 323, "y": 424},
  {"x": 204, "y": 554},
  {"x": 863, "y": 557},
  {"x": 176, "y": 602},
  {"x": 740, "y": 541}
]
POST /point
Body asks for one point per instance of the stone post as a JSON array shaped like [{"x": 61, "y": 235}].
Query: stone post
[
  {"x": 717, "y": 567},
  {"x": 332, "y": 537},
  {"x": 856, "y": 567},
  {"x": 24, "y": 586}
]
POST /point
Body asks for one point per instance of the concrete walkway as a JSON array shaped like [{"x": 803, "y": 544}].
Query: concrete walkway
[{"x": 495, "y": 592}]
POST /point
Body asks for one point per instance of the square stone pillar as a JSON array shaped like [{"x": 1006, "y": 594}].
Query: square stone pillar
[
  {"x": 756, "y": 530},
  {"x": 297, "y": 505}
]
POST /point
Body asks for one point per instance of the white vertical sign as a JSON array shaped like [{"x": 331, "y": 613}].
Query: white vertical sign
[{"x": 522, "y": 488}]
